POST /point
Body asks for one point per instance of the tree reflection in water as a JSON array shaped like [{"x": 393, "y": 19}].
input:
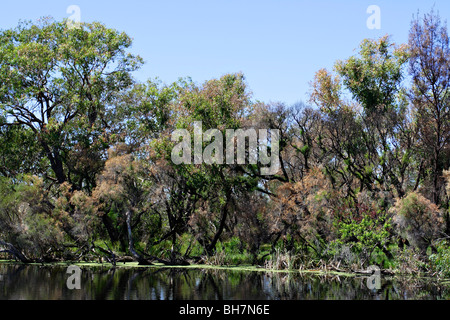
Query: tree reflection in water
[{"x": 32, "y": 282}]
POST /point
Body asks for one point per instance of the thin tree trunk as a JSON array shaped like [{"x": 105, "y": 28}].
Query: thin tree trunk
[
  {"x": 213, "y": 243},
  {"x": 436, "y": 176},
  {"x": 136, "y": 255}
]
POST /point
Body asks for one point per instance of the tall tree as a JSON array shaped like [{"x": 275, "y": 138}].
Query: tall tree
[
  {"x": 219, "y": 104},
  {"x": 430, "y": 71},
  {"x": 60, "y": 83},
  {"x": 369, "y": 133}
]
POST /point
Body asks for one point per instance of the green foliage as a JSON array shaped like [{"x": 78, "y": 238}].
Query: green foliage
[
  {"x": 60, "y": 84},
  {"x": 373, "y": 77},
  {"x": 26, "y": 218},
  {"x": 19, "y": 154},
  {"x": 85, "y": 158},
  {"x": 409, "y": 261},
  {"x": 359, "y": 246},
  {"x": 43, "y": 235},
  {"x": 363, "y": 234},
  {"x": 367, "y": 233},
  {"x": 229, "y": 253},
  {"x": 440, "y": 261}
]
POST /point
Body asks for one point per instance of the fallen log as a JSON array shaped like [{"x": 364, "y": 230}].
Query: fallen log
[
  {"x": 9, "y": 248},
  {"x": 361, "y": 272}
]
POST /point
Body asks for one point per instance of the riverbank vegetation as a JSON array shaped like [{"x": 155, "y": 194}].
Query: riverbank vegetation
[{"x": 86, "y": 172}]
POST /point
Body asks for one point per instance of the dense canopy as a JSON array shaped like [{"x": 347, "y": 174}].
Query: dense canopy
[{"x": 87, "y": 170}]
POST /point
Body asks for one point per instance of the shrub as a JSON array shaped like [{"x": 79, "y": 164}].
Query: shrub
[
  {"x": 418, "y": 220},
  {"x": 43, "y": 235},
  {"x": 366, "y": 233},
  {"x": 408, "y": 261},
  {"x": 363, "y": 231},
  {"x": 26, "y": 219},
  {"x": 440, "y": 261},
  {"x": 365, "y": 236}
]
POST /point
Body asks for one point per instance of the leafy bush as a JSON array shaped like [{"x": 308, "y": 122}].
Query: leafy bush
[
  {"x": 43, "y": 235},
  {"x": 363, "y": 231},
  {"x": 26, "y": 218},
  {"x": 368, "y": 233},
  {"x": 228, "y": 253},
  {"x": 440, "y": 261},
  {"x": 233, "y": 246}
]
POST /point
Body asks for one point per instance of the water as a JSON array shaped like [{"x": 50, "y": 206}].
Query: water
[{"x": 33, "y": 282}]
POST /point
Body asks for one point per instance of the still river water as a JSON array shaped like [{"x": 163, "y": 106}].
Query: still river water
[{"x": 34, "y": 282}]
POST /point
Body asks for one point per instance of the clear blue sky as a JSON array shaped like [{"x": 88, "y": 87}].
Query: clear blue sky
[{"x": 277, "y": 44}]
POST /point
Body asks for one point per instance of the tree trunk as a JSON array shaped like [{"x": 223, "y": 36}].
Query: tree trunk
[
  {"x": 435, "y": 177},
  {"x": 55, "y": 161},
  {"x": 136, "y": 255},
  {"x": 113, "y": 234},
  {"x": 212, "y": 245},
  {"x": 9, "y": 248}
]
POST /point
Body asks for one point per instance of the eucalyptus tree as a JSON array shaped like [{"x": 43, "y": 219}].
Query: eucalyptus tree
[
  {"x": 365, "y": 115},
  {"x": 204, "y": 188},
  {"x": 61, "y": 83}
]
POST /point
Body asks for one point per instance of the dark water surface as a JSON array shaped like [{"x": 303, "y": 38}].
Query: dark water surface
[{"x": 33, "y": 282}]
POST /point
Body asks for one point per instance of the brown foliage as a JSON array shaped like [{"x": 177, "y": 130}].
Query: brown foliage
[
  {"x": 418, "y": 220},
  {"x": 304, "y": 207}
]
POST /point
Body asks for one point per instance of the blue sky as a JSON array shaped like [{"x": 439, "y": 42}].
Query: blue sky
[{"x": 278, "y": 45}]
